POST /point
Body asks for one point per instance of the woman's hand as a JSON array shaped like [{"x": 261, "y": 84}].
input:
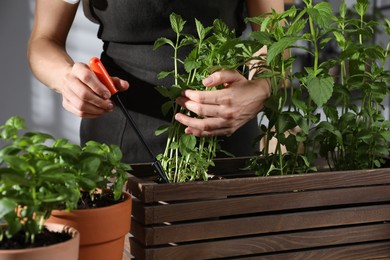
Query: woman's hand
[
  {"x": 84, "y": 95},
  {"x": 224, "y": 110}
]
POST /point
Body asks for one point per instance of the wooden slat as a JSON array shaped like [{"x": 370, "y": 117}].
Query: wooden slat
[
  {"x": 194, "y": 210},
  {"x": 272, "y": 243},
  {"x": 141, "y": 189},
  {"x": 377, "y": 250},
  {"x": 258, "y": 185},
  {"x": 220, "y": 228}
]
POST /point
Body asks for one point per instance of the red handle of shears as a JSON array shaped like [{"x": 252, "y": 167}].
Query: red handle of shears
[{"x": 97, "y": 67}]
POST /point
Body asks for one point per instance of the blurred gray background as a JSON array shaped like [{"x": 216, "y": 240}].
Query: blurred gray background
[{"x": 22, "y": 95}]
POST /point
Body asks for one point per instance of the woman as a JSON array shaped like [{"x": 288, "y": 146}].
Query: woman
[{"x": 128, "y": 29}]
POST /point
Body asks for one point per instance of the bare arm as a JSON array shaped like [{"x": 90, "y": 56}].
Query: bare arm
[
  {"x": 259, "y": 7},
  {"x": 82, "y": 93},
  {"x": 46, "y": 53}
]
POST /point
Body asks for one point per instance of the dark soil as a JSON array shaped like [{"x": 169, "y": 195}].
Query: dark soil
[
  {"x": 103, "y": 199},
  {"x": 46, "y": 238}
]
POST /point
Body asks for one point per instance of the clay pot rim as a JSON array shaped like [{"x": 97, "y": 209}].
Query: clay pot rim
[
  {"x": 127, "y": 200},
  {"x": 51, "y": 227}
]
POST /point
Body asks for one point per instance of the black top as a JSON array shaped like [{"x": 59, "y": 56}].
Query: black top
[{"x": 129, "y": 29}]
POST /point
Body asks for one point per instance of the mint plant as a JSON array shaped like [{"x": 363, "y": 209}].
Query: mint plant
[
  {"x": 39, "y": 173},
  {"x": 186, "y": 157},
  {"x": 361, "y": 131},
  {"x": 352, "y": 132}
]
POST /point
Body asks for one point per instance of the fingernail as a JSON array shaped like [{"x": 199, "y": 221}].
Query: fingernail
[
  {"x": 110, "y": 106},
  {"x": 188, "y": 131},
  {"x": 106, "y": 95},
  {"x": 207, "y": 81}
]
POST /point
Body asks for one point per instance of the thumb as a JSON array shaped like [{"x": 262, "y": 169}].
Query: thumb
[
  {"x": 120, "y": 84},
  {"x": 222, "y": 77}
]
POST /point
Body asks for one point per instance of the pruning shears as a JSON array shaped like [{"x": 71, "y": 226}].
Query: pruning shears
[{"x": 97, "y": 67}]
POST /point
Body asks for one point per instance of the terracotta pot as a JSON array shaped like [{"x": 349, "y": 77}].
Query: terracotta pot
[
  {"x": 68, "y": 250},
  {"x": 102, "y": 230}
]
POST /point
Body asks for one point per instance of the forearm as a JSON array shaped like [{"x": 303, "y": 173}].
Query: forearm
[
  {"x": 257, "y": 8},
  {"x": 47, "y": 54},
  {"x": 49, "y": 62},
  {"x": 261, "y": 7}
]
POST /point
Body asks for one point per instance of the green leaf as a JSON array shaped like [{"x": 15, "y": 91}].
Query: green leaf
[
  {"x": 361, "y": 7},
  {"x": 331, "y": 112},
  {"x": 7, "y": 206},
  {"x": 279, "y": 46},
  {"x": 321, "y": 14},
  {"x": 16, "y": 122},
  {"x": 174, "y": 145},
  {"x": 161, "y": 129},
  {"x": 297, "y": 27},
  {"x": 343, "y": 9},
  {"x": 191, "y": 62},
  {"x": 167, "y": 106},
  {"x": 90, "y": 164},
  {"x": 187, "y": 144},
  {"x": 220, "y": 27},
  {"x": 11, "y": 177},
  {"x": 162, "y": 41},
  {"x": 320, "y": 89},
  {"x": 39, "y": 137},
  {"x": 177, "y": 23},
  {"x": 9, "y": 150},
  {"x": 301, "y": 122},
  {"x": 164, "y": 74},
  {"x": 331, "y": 129},
  {"x": 163, "y": 91},
  {"x": 17, "y": 163},
  {"x": 285, "y": 122},
  {"x": 339, "y": 37},
  {"x": 262, "y": 37},
  {"x": 264, "y": 24},
  {"x": 386, "y": 135},
  {"x": 200, "y": 29},
  {"x": 86, "y": 183}
]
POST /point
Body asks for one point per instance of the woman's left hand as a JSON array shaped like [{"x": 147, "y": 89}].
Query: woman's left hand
[{"x": 223, "y": 111}]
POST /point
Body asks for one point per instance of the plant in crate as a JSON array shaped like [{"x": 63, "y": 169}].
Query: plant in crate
[
  {"x": 340, "y": 214},
  {"x": 186, "y": 157},
  {"x": 352, "y": 132},
  {"x": 34, "y": 182}
]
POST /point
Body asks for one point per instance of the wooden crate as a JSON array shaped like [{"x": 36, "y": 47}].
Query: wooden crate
[{"x": 328, "y": 215}]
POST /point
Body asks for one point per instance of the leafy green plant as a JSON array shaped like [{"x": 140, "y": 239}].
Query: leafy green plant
[
  {"x": 39, "y": 174},
  {"x": 187, "y": 158},
  {"x": 352, "y": 132}
]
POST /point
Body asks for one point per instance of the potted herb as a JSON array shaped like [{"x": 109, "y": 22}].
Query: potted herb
[
  {"x": 323, "y": 214},
  {"x": 77, "y": 186},
  {"x": 34, "y": 182},
  {"x": 103, "y": 211}
]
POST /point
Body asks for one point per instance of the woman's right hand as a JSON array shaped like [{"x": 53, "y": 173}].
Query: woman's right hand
[{"x": 84, "y": 95}]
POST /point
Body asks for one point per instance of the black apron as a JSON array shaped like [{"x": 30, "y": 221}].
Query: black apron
[{"x": 128, "y": 29}]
